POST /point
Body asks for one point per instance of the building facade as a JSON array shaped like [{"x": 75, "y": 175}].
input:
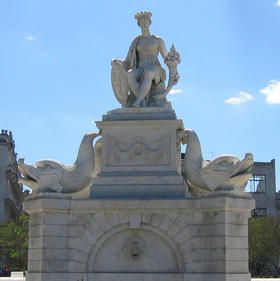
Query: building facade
[
  {"x": 262, "y": 186},
  {"x": 11, "y": 195}
]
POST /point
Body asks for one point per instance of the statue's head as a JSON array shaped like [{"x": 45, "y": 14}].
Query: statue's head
[{"x": 143, "y": 17}]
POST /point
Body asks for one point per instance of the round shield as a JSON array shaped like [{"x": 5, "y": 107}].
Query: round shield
[{"x": 119, "y": 82}]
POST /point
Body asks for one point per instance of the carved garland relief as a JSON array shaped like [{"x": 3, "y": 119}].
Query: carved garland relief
[{"x": 139, "y": 150}]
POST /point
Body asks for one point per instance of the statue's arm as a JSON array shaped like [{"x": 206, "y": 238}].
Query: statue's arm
[
  {"x": 114, "y": 60},
  {"x": 125, "y": 62},
  {"x": 130, "y": 60},
  {"x": 162, "y": 49}
]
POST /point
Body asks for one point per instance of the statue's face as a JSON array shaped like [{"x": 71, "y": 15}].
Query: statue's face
[{"x": 144, "y": 22}]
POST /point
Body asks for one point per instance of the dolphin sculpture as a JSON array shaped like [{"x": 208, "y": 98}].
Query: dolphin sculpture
[
  {"x": 50, "y": 175},
  {"x": 225, "y": 172}
]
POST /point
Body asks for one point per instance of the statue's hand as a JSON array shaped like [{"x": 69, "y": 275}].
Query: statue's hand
[
  {"x": 176, "y": 78},
  {"x": 113, "y": 61},
  {"x": 173, "y": 57}
]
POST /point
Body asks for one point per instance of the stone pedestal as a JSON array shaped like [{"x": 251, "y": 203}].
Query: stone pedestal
[
  {"x": 139, "y": 223},
  {"x": 199, "y": 239},
  {"x": 141, "y": 155}
]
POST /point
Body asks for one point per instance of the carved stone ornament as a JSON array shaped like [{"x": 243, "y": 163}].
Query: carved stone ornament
[
  {"x": 139, "y": 151},
  {"x": 119, "y": 82},
  {"x": 140, "y": 73},
  {"x": 50, "y": 175},
  {"x": 225, "y": 172},
  {"x": 134, "y": 248}
]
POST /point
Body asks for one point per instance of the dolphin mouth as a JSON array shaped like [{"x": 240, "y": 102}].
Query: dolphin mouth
[
  {"x": 27, "y": 179},
  {"x": 26, "y": 174},
  {"x": 33, "y": 184}
]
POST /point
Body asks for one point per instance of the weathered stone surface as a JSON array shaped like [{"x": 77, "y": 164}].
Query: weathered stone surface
[
  {"x": 140, "y": 158},
  {"x": 141, "y": 74},
  {"x": 48, "y": 230},
  {"x": 102, "y": 237},
  {"x": 135, "y": 220},
  {"x": 226, "y": 172},
  {"x": 51, "y": 175},
  {"x": 147, "y": 113}
]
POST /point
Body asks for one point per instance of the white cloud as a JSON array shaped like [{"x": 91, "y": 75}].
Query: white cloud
[
  {"x": 174, "y": 92},
  {"x": 241, "y": 98},
  {"x": 278, "y": 3},
  {"x": 30, "y": 38},
  {"x": 272, "y": 92}
]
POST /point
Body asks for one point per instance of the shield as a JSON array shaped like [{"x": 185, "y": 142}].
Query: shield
[{"x": 119, "y": 82}]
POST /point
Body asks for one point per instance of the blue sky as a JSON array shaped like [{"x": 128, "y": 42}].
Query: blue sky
[{"x": 55, "y": 71}]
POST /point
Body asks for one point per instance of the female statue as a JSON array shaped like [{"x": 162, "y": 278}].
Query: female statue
[{"x": 142, "y": 73}]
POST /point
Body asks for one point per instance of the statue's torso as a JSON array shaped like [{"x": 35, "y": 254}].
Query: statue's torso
[{"x": 147, "y": 51}]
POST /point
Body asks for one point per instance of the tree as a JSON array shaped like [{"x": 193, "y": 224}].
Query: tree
[
  {"x": 14, "y": 244},
  {"x": 264, "y": 246}
]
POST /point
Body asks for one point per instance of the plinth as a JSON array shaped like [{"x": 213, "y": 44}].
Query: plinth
[
  {"x": 141, "y": 156},
  {"x": 198, "y": 239}
]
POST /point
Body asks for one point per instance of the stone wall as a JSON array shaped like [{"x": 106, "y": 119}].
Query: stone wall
[{"x": 138, "y": 239}]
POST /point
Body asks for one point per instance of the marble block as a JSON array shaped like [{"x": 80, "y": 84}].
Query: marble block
[
  {"x": 140, "y": 157},
  {"x": 142, "y": 113},
  {"x": 198, "y": 239}
]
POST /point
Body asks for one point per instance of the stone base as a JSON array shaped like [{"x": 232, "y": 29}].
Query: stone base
[
  {"x": 104, "y": 277},
  {"x": 217, "y": 277},
  {"x": 141, "y": 113},
  {"x": 141, "y": 155},
  {"x": 76, "y": 276},
  {"x": 139, "y": 186},
  {"x": 195, "y": 239}
]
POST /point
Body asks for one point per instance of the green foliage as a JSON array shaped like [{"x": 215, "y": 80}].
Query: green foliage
[
  {"x": 14, "y": 244},
  {"x": 264, "y": 246}
]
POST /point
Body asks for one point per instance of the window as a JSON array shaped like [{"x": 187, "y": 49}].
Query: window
[
  {"x": 256, "y": 184},
  {"x": 259, "y": 212}
]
